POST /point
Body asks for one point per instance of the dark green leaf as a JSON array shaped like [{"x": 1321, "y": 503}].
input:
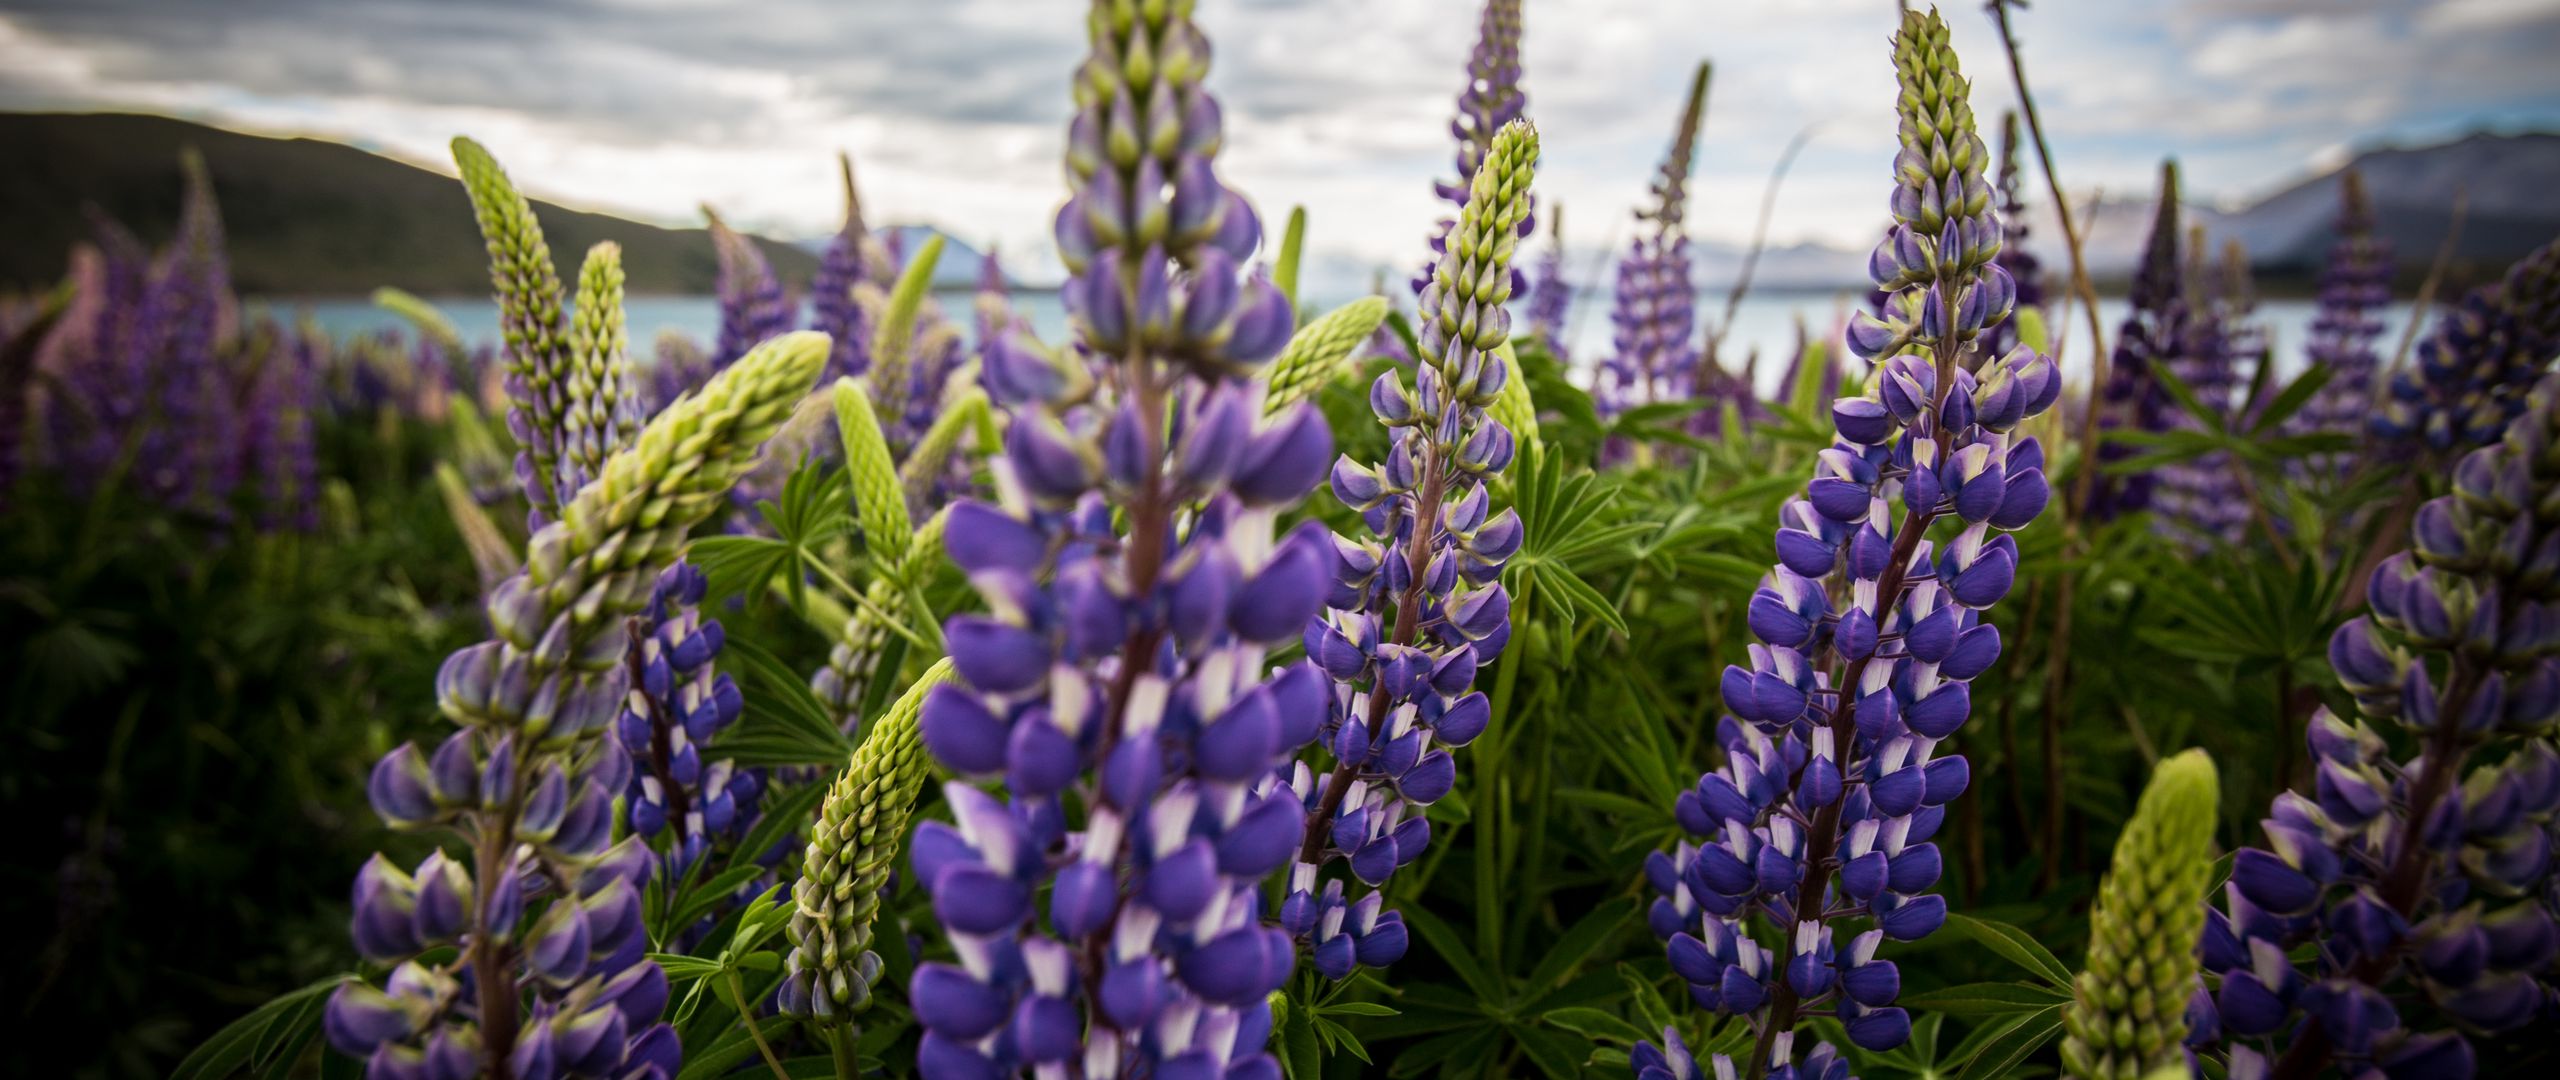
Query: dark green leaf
[{"x": 2015, "y": 945}]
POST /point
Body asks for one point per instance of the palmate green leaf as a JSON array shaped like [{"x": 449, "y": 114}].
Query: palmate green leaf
[
  {"x": 2016, "y": 946},
  {"x": 254, "y": 1041},
  {"x": 1650, "y": 1009},
  {"x": 784, "y": 722},
  {"x": 681, "y": 968},
  {"x": 2292, "y": 398},
  {"x": 1338, "y": 1037}
]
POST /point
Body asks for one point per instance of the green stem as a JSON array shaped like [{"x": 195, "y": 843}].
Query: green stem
[
  {"x": 840, "y": 1044},
  {"x": 738, "y": 998}
]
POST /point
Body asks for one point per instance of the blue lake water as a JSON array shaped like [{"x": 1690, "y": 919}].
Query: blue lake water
[{"x": 1766, "y": 322}]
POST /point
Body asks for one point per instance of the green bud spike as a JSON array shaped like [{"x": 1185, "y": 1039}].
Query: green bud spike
[
  {"x": 931, "y": 453},
  {"x": 892, "y": 342},
  {"x": 880, "y": 501},
  {"x": 1318, "y": 353},
  {"x": 853, "y": 845},
  {"x": 597, "y": 413},
  {"x": 1513, "y": 408},
  {"x": 2127, "y": 1017},
  {"x": 429, "y": 320},
  {"x": 529, "y": 306},
  {"x": 597, "y": 562}
]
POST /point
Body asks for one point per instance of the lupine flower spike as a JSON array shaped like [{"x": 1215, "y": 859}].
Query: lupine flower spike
[
  {"x": 2474, "y": 370},
  {"x": 1106, "y": 912},
  {"x": 1550, "y": 295},
  {"x": 2353, "y": 292},
  {"x": 2127, "y": 1015},
  {"x": 852, "y": 257},
  {"x": 545, "y": 902},
  {"x": 1835, "y": 776},
  {"x": 2199, "y": 501},
  {"x": 531, "y": 317},
  {"x": 753, "y": 308},
  {"x": 1653, "y": 319},
  {"x": 2418, "y": 868},
  {"x": 2155, "y": 328},
  {"x": 1417, "y": 604},
  {"x": 1491, "y": 100}
]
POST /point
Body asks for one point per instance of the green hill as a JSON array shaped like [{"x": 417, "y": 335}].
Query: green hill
[{"x": 305, "y": 217}]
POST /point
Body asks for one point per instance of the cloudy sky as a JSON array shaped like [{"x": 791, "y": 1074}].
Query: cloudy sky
[{"x": 954, "y": 109}]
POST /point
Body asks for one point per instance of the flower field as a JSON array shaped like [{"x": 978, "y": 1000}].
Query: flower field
[{"x": 1219, "y": 684}]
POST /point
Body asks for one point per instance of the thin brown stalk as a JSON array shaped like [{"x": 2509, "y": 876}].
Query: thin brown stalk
[{"x": 1759, "y": 237}]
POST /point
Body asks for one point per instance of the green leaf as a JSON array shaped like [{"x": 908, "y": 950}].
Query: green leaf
[
  {"x": 1554, "y": 1054},
  {"x": 680, "y": 967},
  {"x": 1596, "y": 1024},
  {"x": 234, "y": 1047},
  {"x": 1487, "y": 986},
  {"x": 1293, "y": 241},
  {"x": 2003, "y": 1053},
  {"x": 2293, "y": 397},
  {"x": 794, "y": 724},
  {"x": 1986, "y": 999},
  {"x": 1357, "y": 1008},
  {"x": 1593, "y": 933},
  {"x": 2015, "y": 945},
  {"x": 1650, "y": 1007},
  {"x": 698, "y": 900},
  {"x": 1340, "y": 1036}
]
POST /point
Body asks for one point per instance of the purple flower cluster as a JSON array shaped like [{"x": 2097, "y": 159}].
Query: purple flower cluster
[
  {"x": 1835, "y": 779},
  {"x": 677, "y": 702},
  {"x": 2154, "y": 331},
  {"x": 753, "y": 307},
  {"x": 1418, "y": 605},
  {"x": 1550, "y": 295},
  {"x": 1106, "y": 913},
  {"x": 151, "y": 383},
  {"x": 1491, "y": 99},
  {"x": 2354, "y": 289},
  {"x": 2474, "y": 371},
  {"x": 853, "y": 257},
  {"x": 1653, "y": 316},
  {"x": 2201, "y": 501},
  {"x": 2421, "y": 877}
]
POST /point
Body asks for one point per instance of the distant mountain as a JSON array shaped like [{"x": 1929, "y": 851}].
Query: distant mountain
[
  {"x": 305, "y": 217},
  {"x": 2508, "y": 180},
  {"x": 958, "y": 269}
]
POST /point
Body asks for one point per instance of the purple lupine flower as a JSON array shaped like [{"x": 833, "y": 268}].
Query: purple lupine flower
[
  {"x": 189, "y": 455},
  {"x": 678, "y": 365},
  {"x": 1417, "y": 606},
  {"x": 2473, "y": 372},
  {"x": 2200, "y": 501},
  {"x": 1836, "y": 776},
  {"x": 276, "y": 439},
  {"x": 850, "y": 258},
  {"x": 1550, "y": 295},
  {"x": 2014, "y": 256},
  {"x": 2154, "y": 330},
  {"x": 1135, "y": 594},
  {"x": 1653, "y": 317},
  {"x": 1491, "y": 99},
  {"x": 2353, "y": 292},
  {"x": 752, "y": 305},
  {"x": 549, "y": 975},
  {"x": 993, "y": 309},
  {"x": 2418, "y": 866},
  {"x": 676, "y": 702}
]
